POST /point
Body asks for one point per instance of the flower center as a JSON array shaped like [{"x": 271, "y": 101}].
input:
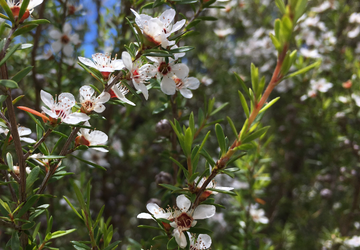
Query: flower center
[
  {"x": 80, "y": 140},
  {"x": 184, "y": 220},
  {"x": 88, "y": 105},
  {"x": 179, "y": 83},
  {"x": 65, "y": 39},
  {"x": 164, "y": 68},
  {"x": 71, "y": 9}
]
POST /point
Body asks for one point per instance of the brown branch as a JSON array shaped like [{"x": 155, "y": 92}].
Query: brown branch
[{"x": 42, "y": 139}]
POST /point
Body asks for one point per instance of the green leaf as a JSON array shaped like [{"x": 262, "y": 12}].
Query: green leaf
[
  {"x": 300, "y": 9},
  {"x": 233, "y": 128},
  {"x": 23, "y": 8},
  {"x": 9, "y": 161},
  {"x": 185, "y": 1},
  {"x": 210, "y": 160},
  {"x": 242, "y": 84},
  {"x": 255, "y": 135},
  {"x": 112, "y": 245},
  {"x": 58, "y": 234},
  {"x": 10, "y": 52},
  {"x": 170, "y": 187},
  {"x": 15, "y": 241},
  {"x": 150, "y": 227},
  {"x": 90, "y": 163},
  {"x": 255, "y": 79},
  {"x": 268, "y": 105},
  {"x": 9, "y": 84},
  {"x": 4, "y": 208},
  {"x": 79, "y": 195},
  {"x": 28, "y": 225},
  {"x": 221, "y": 138},
  {"x": 24, "y": 29},
  {"x": 160, "y": 237},
  {"x": 3, "y": 17},
  {"x": 72, "y": 207},
  {"x": 207, "y": 4},
  {"x": 160, "y": 53},
  {"x": 51, "y": 157},
  {"x": 244, "y": 104},
  {"x": 93, "y": 72},
  {"x": 172, "y": 243},
  {"x": 32, "y": 177},
  {"x": 193, "y": 24},
  {"x": 223, "y": 191},
  {"x": 186, "y": 173},
  {"x": 304, "y": 70},
  {"x": 275, "y": 41},
  {"x": 182, "y": 49},
  {"x": 8, "y": 11},
  {"x": 219, "y": 108},
  {"x": 38, "y": 21},
  {"x": 280, "y": 4},
  {"x": 27, "y": 206},
  {"x": 21, "y": 74},
  {"x": 79, "y": 244},
  {"x": 188, "y": 142}
]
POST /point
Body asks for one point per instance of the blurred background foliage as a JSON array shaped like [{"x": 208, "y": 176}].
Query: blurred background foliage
[{"x": 309, "y": 183}]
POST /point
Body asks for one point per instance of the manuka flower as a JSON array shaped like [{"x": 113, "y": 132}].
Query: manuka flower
[
  {"x": 258, "y": 215},
  {"x": 184, "y": 85},
  {"x": 22, "y": 132},
  {"x": 91, "y": 103},
  {"x": 201, "y": 242},
  {"x": 103, "y": 63},
  {"x": 167, "y": 71},
  {"x": 15, "y": 5},
  {"x": 119, "y": 91},
  {"x": 139, "y": 74},
  {"x": 64, "y": 41},
  {"x": 62, "y": 108},
  {"x": 157, "y": 30},
  {"x": 185, "y": 217},
  {"x": 91, "y": 138}
]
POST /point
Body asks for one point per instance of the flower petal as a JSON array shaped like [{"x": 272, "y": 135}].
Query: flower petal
[
  {"x": 192, "y": 83},
  {"x": 203, "y": 242},
  {"x": 180, "y": 238},
  {"x": 27, "y": 139},
  {"x": 186, "y": 93},
  {"x": 24, "y": 131},
  {"x": 56, "y": 46},
  {"x": 180, "y": 70},
  {"x": 168, "y": 86},
  {"x": 167, "y": 17},
  {"x": 68, "y": 50},
  {"x": 204, "y": 212},
  {"x": 183, "y": 203},
  {"x": 142, "y": 88},
  {"x": 178, "y": 25},
  {"x": 47, "y": 99},
  {"x": 87, "y": 62},
  {"x": 67, "y": 28},
  {"x": 127, "y": 60},
  {"x": 144, "y": 216},
  {"x": 55, "y": 34},
  {"x": 103, "y": 97},
  {"x": 86, "y": 92},
  {"x": 75, "y": 118}
]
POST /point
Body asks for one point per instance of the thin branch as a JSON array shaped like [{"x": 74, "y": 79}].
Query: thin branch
[{"x": 42, "y": 139}]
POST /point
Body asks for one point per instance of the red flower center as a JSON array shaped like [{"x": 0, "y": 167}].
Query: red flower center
[
  {"x": 164, "y": 68},
  {"x": 184, "y": 220},
  {"x": 65, "y": 39}
]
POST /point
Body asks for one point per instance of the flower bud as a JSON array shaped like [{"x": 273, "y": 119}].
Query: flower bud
[
  {"x": 163, "y": 128},
  {"x": 163, "y": 178},
  {"x": 347, "y": 84}
]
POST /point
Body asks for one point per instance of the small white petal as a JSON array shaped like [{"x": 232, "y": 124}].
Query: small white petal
[
  {"x": 168, "y": 85},
  {"x": 56, "y": 46},
  {"x": 126, "y": 59},
  {"x": 24, "y": 131},
  {"x": 183, "y": 203},
  {"x": 68, "y": 50},
  {"x": 204, "y": 212},
  {"x": 75, "y": 118},
  {"x": 55, "y": 34},
  {"x": 87, "y": 62},
  {"x": 47, "y": 98},
  {"x": 180, "y": 70},
  {"x": 67, "y": 28},
  {"x": 27, "y": 139},
  {"x": 186, "y": 93},
  {"x": 142, "y": 88},
  {"x": 144, "y": 216}
]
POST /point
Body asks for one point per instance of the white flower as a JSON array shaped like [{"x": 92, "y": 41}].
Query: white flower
[
  {"x": 156, "y": 211},
  {"x": 223, "y": 32},
  {"x": 157, "y": 30},
  {"x": 15, "y": 5},
  {"x": 103, "y": 63},
  {"x": 353, "y": 242},
  {"x": 320, "y": 85},
  {"x": 93, "y": 138},
  {"x": 354, "y": 33},
  {"x": 203, "y": 241},
  {"x": 310, "y": 53},
  {"x": 139, "y": 74},
  {"x": 65, "y": 41},
  {"x": 258, "y": 215},
  {"x": 167, "y": 71},
  {"x": 354, "y": 18},
  {"x": 71, "y": 9},
  {"x": 89, "y": 102},
  {"x": 119, "y": 91},
  {"x": 185, "y": 217},
  {"x": 356, "y": 99},
  {"x": 324, "y": 6},
  {"x": 22, "y": 132},
  {"x": 184, "y": 85},
  {"x": 62, "y": 108}
]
